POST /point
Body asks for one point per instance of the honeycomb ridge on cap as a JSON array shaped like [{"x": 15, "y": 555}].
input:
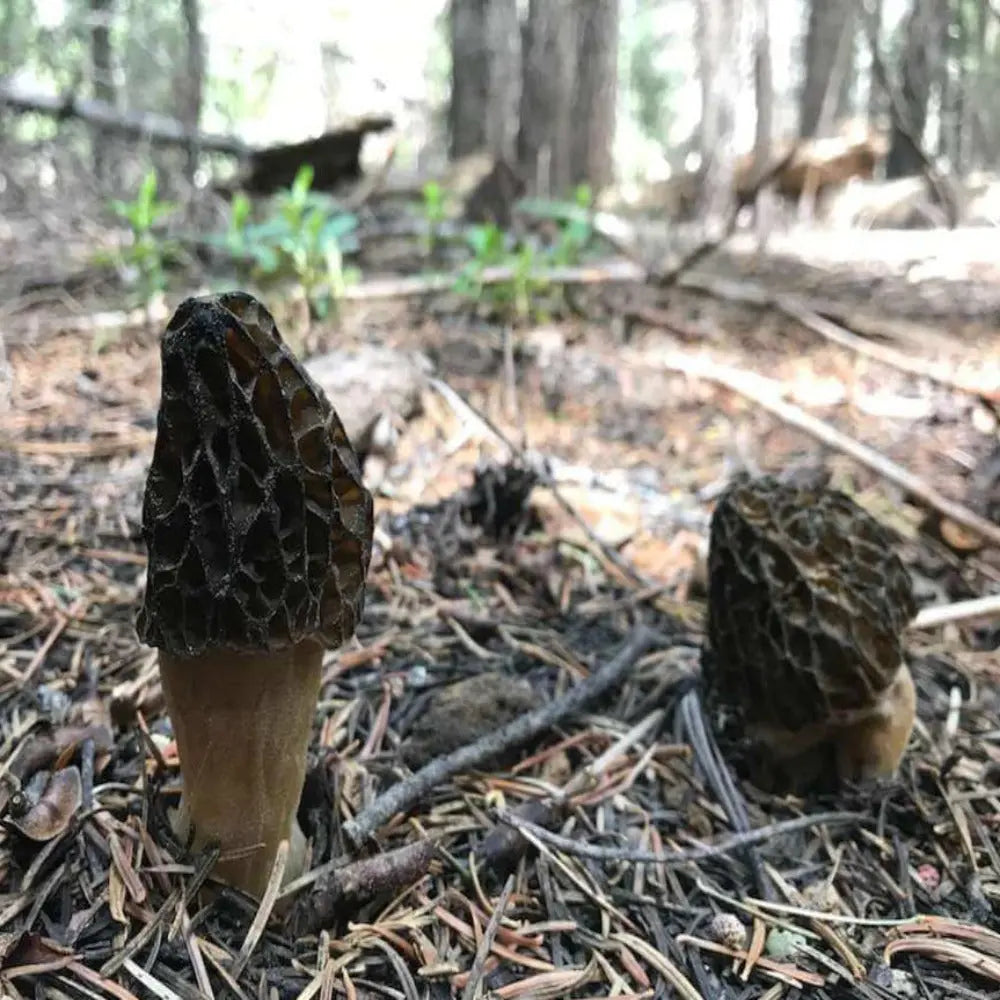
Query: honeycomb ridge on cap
[
  {"x": 255, "y": 516},
  {"x": 807, "y": 604}
]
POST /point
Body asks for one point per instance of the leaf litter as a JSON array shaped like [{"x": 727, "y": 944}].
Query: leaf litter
[{"x": 596, "y": 856}]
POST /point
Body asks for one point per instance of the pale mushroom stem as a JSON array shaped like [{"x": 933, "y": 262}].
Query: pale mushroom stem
[
  {"x": 873, "y": 747},
  {"x": 242, "y": 722}
]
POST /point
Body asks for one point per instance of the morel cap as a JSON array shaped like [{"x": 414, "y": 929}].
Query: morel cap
[{"x": 255, "y": 517}]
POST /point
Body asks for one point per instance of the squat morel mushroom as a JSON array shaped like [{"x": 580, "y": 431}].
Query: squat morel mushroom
[
  {"x": 807, "y": 605},
  {"x": 259, "y": 533}
]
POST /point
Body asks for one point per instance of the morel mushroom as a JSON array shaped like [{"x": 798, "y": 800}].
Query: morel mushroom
[
  {"x": 259, "y": 533},
  {"x": 807, "y": 605}
]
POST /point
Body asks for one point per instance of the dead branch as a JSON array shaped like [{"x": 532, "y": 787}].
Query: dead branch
[
  {"x": 595, "y": 274},
  {"x": 357, "y": 882},
  {"x": 814, "y": 315},
  {"x": 843, "y": 337},
  {"x": 503, "y": 846},
  {"x": 727, "y": 845},
  {"x": 941, "y": 614},
  {"x": 411, "y": 790},
  {"x": 900, "y": 120},
  {"x": 705, "y": 249},
  {"x": 545, "y": 479},
  {"x": 132, "y": 124},
  {"x": 750, "y": 386}
]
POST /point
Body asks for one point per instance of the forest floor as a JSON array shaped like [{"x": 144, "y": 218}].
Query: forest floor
[{"x": 520, "y": 877}]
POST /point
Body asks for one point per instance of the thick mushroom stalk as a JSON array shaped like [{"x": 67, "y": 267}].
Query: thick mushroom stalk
[
  {"x": 259, "y": 532},
  {"x": 807, "y": 606}
]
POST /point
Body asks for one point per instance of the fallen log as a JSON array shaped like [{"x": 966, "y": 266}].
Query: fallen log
[
  {"x": 334, "y": 156},
  {"x": 131, "y": 124}
]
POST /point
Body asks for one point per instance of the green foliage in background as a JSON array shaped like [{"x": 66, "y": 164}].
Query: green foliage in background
[
  {"x": 527, "y": 293},
  {"x": 651, "y": 84},
  {"x": 304, "y": 239},
  {"x": 435, "y": 209},
  {"x": 142, "y": 260},
  {"x": 18, "y": 31}
]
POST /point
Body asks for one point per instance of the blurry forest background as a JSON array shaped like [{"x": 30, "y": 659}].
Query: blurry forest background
[
  {"x": 667, "y": 107},
  {"x": 550, "y": 195}
]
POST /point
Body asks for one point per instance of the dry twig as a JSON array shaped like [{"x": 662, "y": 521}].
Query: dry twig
[
  {"x": 750, "y": 386},
  {"x": 412, "y": 789}
]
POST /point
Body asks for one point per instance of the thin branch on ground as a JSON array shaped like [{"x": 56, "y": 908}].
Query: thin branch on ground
[
  {"x": 546, "y": 479},
  {"x": 749, "y": 385},
  {"x": 705, "y": 249},
  {"x": 727, "y": 845},
  {"x": 411, "y": 790},
  {"x": 357, "y": 881},
  {"x": 504, "y": 845},
  {"x": 814, "y": 315},
  {"x": 942, "y": 614},
  {"x": 472, "y": 987}
]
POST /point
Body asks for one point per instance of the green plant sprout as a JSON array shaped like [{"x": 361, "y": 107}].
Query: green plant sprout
[
  {"x": 305, "y": 238},
  {"x": 522, "y": 296},
  {"x": 144, "y": 257},
  {"x": 435, "y": 212}
]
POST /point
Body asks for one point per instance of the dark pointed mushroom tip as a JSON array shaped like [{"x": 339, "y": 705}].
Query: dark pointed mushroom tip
[
  {"x": 255, "y": 517},
  {"x": 808, "y": 601}
]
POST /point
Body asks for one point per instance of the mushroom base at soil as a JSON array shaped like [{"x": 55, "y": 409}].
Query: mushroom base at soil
[
  {"x": 242, "y": 722},
  {"x": 866, "y": 745},
  {"x": 873, "y": 747}
]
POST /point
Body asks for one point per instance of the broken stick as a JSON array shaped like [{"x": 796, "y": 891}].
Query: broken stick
[
  {"x": 749, "y": 386},
  {"x": 411, "y": 790}
]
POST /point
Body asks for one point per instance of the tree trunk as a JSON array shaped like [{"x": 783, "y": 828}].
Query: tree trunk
[
  {"x": 876, "y": 96},
  {"x": 829, "y": 49},
  {"x": 190, "y": 106},
  {"x": 549, "y": 65},
  {"x": 950, "y": 82},
  {"x": 975, "y": 78},
  {"x": 596, "y": 92},
  {"x": 763, "y": 79},
  {"x": 920, "y": 59},
  {"x": 102, "y": 81},
  {"x": 485, "y": 55},
  {"x": 718, "y": 24}
]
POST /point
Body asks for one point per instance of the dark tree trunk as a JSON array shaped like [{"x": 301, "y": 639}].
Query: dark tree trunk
[
  {"x": 921, "y": 56},
  {"x": 102, "y": 82},
  {"x": 549, "y": 64},
  {"x": 876, "y": 96},
  {"x": 717, "y": 27},
  {"x": 829, "y": 49},
  {"x": 950, "y": 84},
  {"x": 763, "y": 79},
  {"x": 596, "y": 92},
  {"x": 190, "y": 107},
  {"x": 485, "y": 77},
  {"x": 979, "y": 73}
]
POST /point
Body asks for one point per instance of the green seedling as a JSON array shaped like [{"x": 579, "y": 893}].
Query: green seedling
[
  {"x": 435, "y": 210},
  {"x": 143, "y": 259},
  {"x": 305, "y": 238}
]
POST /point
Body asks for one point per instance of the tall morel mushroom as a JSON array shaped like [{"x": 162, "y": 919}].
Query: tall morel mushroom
[
  {"x": 807, "y": 605},
  {"x": 259, "y": 534}
]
